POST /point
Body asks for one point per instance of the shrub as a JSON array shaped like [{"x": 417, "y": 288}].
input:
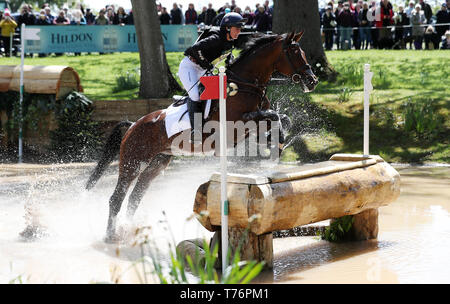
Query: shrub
[
  {"x": 126, "y": 82},
  {"x": 338, "y": 229},
  {"x": 420, "y": 117},
  {"x": 77, "y": 137}
]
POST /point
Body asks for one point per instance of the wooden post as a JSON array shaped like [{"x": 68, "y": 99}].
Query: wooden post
[
  {"x": 251, "y": 246},
  {"x": 364, "y": 227}
]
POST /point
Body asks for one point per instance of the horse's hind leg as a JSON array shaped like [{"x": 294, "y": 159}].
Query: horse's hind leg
[
  {"x": 126, "y": 177},
  {"x": 158, "y": 164}
]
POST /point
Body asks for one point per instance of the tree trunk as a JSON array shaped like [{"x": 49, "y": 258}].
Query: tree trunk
[
  {"x": 156, "y": 79},
  {"x": 304, "y": 15}
]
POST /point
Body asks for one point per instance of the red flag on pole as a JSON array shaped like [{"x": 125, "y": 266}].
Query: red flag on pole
[{"x": 211, "y": 84}]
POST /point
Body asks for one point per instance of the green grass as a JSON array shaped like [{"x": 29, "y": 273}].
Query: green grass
[{"x": 399, "y": 77}]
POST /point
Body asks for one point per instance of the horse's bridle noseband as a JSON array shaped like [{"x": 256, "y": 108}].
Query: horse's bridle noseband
[{"x": 296, "y": 73}]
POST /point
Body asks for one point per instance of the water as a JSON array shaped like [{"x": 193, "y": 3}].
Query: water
[{"x": 412, "y": 247}]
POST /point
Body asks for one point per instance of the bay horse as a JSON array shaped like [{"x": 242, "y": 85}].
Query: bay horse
[{"x": 146, "y": 140}]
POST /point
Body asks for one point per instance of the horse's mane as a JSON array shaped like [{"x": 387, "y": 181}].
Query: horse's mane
[{"x": 254, "y": 43}]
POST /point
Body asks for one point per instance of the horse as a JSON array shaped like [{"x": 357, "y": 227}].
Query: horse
[{"x": 146, "y": 141}]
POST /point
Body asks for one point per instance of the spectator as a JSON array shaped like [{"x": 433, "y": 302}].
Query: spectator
[
  {"x": 190, "y": 15},
  {"x": 233, "y": 5},
  {"x": 183, "y": 21},
  {"x": 237, "y": 9},
  {"x": 350, "y": 5},
  {"x": 61, "y": 19},
  {"x": 248, "y": 15},
  {"x": 364, "y": 26},
  {"x": 48, "y": 14},
  {"x": 164, "y": 18},
  {"x": 401, "y": 20},
  {"x": 67, "y": 13},
  {"x": 346, "y": 21},
  {"x": 111, "y": 16},
  {"x": 262, "y": 20},
  {"x": 256, "y": 9},
  {"x": 121, "y": 16},
  {"x": 77, "y": 16},
  {"x": 176, "y": 14},
  {"x": 442, "y": 16},
  {"x": 410, "y": 9},
  {"x": 337, "y": 12},
  {"x": 417, "y": 19},
  {"x": 26, "y": 17},
  {"x": 101, "y": 18},
  {"x": 356, "y": 25},
  {"x": 329, "y": 23},
  {"x": 90, "y": 18},
  {"x": 8, "y": 27},
  {"x": 386, "y": 20},
  {"x": 431, "y": 39},
  {"x": 216, "y": 21},
  {"x": 43, "y": 20},
  {"x": 130, "y": 19},
  {"x": 223, "y": 8},
  {"x": 426, "y": 8},
  {"x": 446, "y": 41},
  {"x": 210, "y": 14},
  {"x": 202, "y": 16}
]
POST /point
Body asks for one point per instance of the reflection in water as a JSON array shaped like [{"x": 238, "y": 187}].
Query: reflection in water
[{"x": 412, "y": 247}]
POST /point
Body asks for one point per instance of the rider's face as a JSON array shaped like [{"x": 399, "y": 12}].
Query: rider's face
[{"x": 234, "y": 32}]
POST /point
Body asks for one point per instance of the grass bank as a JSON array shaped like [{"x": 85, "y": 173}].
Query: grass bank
[{"x": 414, "y": 81}]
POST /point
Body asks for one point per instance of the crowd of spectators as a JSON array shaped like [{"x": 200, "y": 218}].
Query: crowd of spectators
[
  {"x": 376, "y": 24},
  {"x": 358, "y": 24},
  {"x": 259, "y": 19},
  {"x": 79, "y": 15}
]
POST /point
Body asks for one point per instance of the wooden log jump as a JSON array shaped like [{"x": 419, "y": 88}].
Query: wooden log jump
[
  {"x": 292, "y": 196},
  {"x": 52, "y": 79}
]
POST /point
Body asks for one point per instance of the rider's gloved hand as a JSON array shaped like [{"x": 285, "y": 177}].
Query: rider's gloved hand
[{"x": 229, "y": 59}]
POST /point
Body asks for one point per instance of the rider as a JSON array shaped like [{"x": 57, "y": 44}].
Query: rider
[{"x": 198, "y": 61}]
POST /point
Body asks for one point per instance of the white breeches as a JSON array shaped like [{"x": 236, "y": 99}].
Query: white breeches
[{"x": 189, "y": 74}]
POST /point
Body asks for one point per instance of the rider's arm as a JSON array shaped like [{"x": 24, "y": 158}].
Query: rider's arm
[{"x": 206, "y": 46}]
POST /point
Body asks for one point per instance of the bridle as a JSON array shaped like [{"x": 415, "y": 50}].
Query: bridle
[
  {"x": 258, "y": 89},
  {"x": 296, "y": 73}
]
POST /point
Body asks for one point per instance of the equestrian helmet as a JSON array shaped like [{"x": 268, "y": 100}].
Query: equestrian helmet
[{"x": 233, "y": 20}]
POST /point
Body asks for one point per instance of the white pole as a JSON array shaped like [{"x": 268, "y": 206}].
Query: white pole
[
  {"x": 367, "y": 89},
  {"x": 223, "y": 167},
  {"x": 10, "y": 44},
  {"x": 22, "y": 56}
]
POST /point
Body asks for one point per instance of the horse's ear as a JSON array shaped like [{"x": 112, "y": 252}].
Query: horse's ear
[
  {"x": 289, "y": 38},
  {"x": 298, "y": 36}
]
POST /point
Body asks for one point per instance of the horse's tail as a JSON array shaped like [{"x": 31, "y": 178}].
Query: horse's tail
[{"x": 110, "y": 151}]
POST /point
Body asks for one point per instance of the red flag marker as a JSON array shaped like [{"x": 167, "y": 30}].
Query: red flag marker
[{"x": 211, "y": 84}]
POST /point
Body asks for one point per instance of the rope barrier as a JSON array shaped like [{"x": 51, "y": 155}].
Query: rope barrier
[{"x": 388, "y": 27}]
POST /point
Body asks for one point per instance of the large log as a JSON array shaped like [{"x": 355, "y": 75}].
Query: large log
[
  {"x": 292, "y": 197},
  {"x": 53, "y": 79}
]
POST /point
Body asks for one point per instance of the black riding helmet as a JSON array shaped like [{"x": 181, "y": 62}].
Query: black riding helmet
[{"x": 232, "y": 19}]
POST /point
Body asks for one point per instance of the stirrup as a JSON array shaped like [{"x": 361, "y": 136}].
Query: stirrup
[{"x": 196, "y": 137}]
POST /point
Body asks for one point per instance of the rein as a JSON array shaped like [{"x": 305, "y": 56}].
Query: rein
[
  {"x": 260, "y": 89},
  {"x": 296, "y": 76}
]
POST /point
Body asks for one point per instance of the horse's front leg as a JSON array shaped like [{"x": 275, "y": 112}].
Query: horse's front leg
[{"x": 273, "y": 132}]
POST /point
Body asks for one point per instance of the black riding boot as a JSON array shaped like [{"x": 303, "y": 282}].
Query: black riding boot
[{"x": 196, "y": 129}]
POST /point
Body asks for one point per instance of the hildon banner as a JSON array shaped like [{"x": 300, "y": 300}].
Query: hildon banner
[{"x": 104, "y": 39}]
